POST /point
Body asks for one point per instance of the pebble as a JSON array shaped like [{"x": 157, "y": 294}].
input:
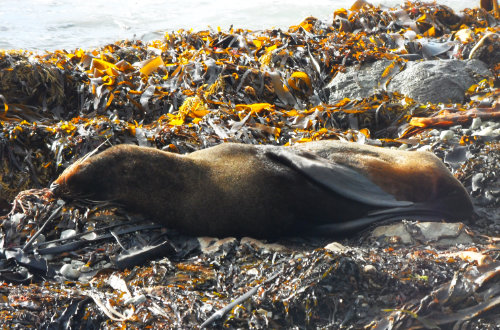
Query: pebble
[
  {"x": 369, "y": 269},
  {"x": 488, "y": 131},
  {"x": 426, "y": 147},
  {"x": 69, "y": 272},
  {"x": 68, "y": 233},
  {"x": 434, "y": 132},
  {"x": 476, "y": 123},
  {"x": 477, "y": 181},
  {"x": 253, "y": 271},
  {"x": 446, "y": 135},
  {"x": 336, "y": 247}
]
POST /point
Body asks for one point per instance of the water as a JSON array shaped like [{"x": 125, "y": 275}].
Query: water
[{"x": 62, "y": 24}]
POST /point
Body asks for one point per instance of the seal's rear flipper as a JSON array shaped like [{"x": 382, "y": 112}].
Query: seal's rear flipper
[
  {"x": 417, "y": 211},
  {"x": 337, "y": 178}
]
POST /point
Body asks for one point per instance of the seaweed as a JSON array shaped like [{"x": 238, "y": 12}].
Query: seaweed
[{"x": 84, "y": 264}]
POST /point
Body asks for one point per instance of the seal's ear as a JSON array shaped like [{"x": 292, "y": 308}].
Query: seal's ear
[{"x": 337, "y": 178}]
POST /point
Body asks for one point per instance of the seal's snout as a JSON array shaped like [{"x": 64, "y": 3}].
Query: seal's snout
[{"x": 54, "y": 187}]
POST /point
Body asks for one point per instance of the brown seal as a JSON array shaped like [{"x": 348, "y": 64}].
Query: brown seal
[{"x": 245, "y": 190}]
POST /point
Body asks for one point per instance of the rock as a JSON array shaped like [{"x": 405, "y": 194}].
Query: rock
[
  {"x": 68, "y": 233},
  {"x": 442, "y": 234},
  {"x": 456, "y": 156},
  {"x": 477, "y": 181},
  {"x": 69, "y": 271},
  {"x": 357, "y": 82},
  {"x": 439, "y": 80},
  {"x": 336, "y": 247},
  {"x": 476, "y": 123},
  {"x": 369, "y": 269},
  {"x": 272, "y": 247},
  {"x": 436, "y": 81},
  {"x": 210, "y": 245},
  {"x": 446, "y": 135}
]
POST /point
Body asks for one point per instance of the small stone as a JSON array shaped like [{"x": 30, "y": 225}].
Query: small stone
[
  {"x": 257, "y": 244},
  {"x": 447, "y": 234},
  {"x": 398, "y": 230},
  {"x": 477, "y": 181},
  {"x": 217, "y": 245},
  {"x": 85, "y": 269},
  {"x": 410, "y": 35},
  {"x": 68, "y": 233},
  {"x": 444, "y": 234},
  {"x": 69, "y": 272},
  {"x": 206, "y": 308},
  {"x": 206, "y": 241},
  {"x": 369, "y": 269},
  {"x": 425, "y": 148},
  {"x": 486, "y": 131},
  {"x": 336, "y": 247},
  {"x": 476, "y": 123},
  {"x": 446, "y": 135},
  {"x": 253, "y": 271},
  {"x": 434, "y": 132}
]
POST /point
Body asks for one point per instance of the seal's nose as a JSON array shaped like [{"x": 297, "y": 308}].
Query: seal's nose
[{"x": 54, "y": 188}]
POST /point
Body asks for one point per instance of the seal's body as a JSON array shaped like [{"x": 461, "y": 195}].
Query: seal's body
[{"x": 266, "y": 191}]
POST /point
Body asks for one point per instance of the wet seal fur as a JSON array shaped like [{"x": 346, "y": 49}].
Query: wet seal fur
[{"x": 322, "y": 188}]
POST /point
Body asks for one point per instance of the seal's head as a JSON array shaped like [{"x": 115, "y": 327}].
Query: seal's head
[
  {"x": 84, "y": 178},
  {"x": 99, "y": 177},
  {"x": 128, "y": 175}
]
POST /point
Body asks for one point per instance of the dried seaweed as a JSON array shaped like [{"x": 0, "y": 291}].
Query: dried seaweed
[{"x": 95, "y": 266}]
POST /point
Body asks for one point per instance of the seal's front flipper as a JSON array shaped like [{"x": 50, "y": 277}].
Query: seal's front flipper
[{"x": 336, "y": 178}]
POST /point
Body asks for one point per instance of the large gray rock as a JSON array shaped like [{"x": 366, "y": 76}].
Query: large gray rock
[{"x": 436, "y": 81}]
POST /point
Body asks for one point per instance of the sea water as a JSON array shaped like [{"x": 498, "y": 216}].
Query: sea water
[{"x": 63, "y": 24}]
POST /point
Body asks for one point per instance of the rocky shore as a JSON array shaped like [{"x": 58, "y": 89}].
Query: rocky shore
[{"x": 416, "y": 77}]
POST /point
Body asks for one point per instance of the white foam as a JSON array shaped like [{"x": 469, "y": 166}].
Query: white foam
[{"x": 60, "y": 24}]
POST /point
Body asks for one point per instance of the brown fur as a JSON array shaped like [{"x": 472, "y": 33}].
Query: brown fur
[
  {"x": 236, "y": 189},
  {"x": 416, "y": 176}
]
